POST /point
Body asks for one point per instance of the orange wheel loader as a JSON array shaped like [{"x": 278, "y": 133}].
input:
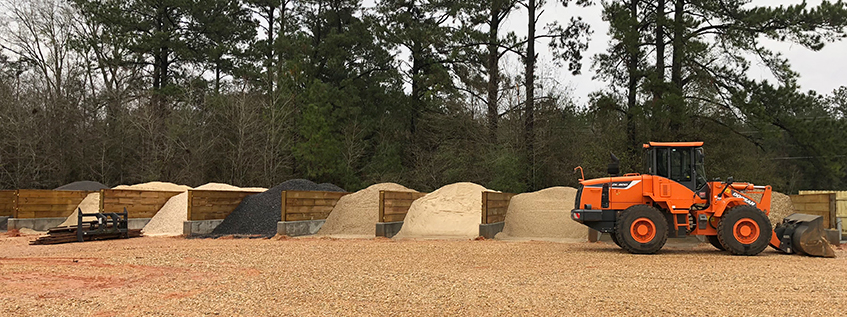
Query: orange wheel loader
[{"x": 673, "y": 199}]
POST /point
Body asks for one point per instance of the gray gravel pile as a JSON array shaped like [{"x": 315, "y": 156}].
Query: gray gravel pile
[
  {"x": 82, "y": 185},
  {"x": 258, "y": 214}
]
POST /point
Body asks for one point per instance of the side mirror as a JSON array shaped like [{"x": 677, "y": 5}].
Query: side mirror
[
  {"x": 615, "y": 166},
  {"x": 700, "y": 156}
]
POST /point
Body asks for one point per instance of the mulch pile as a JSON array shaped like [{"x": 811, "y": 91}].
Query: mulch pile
[
  {"x": 258, "y": 214},
  {"x": 82, "y": 185}
]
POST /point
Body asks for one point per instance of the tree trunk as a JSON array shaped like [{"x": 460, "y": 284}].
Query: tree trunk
[
  {"x": 678, "y": 50},
  {"x": 269, "y": 57},
  {"x": 658, "y": 86},
  {"x": 529, "y": 109},
  {"x": 417, "y": 93},
  {"x": 632, "y": 85},
  {"x": 676, "y": 107},
  {"x": 493, "y": 71}
]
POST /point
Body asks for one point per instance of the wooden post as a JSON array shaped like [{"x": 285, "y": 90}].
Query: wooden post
[
  {"x": 189, "y": 202},
  {"x": 832, "y": 211},
  {"x": 284, "y": 198},
  {"x": 102, "y": 206},
  {"x": 484, "y": 208},
  {"x": 381, "y": 206},
  {"x": 15, "y": 210}
]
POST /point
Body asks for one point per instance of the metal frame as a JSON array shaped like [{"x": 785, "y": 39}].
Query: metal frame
[{"x": 101, "y": 226}]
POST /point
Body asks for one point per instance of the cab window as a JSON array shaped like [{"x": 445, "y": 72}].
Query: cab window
[
  {"x": 680, "y": 165},
  {"x": 662, "y": 162}
]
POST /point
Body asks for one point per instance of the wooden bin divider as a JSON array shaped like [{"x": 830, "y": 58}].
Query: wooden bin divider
[
  {"x": 7, "y": 203},
  {"x": 45, "y": 203},
  {"x": 823, "y": 204},
  {"x": 214, "y": 204},
  {"x": 393, "y": 205},
  {"x": 494, "y": 206},
  {"x": 308, "y": 205},
  {"x": 138, "y": 203}
]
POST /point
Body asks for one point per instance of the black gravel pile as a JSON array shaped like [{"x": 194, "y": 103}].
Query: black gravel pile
[
  {"x": 258, "y": 214},
  {"x": 82, "y": 185}
]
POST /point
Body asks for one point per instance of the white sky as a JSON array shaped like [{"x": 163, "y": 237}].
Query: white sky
[{"x": 821, "y": 71}]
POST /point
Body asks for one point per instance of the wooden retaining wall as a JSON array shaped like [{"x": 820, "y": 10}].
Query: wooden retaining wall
[
  {"x": 840, "y": 201},
  {"x": 214, "y": 204},
  {"x": 45, "y": 203},
  {"x": 7, "y": 203},
  {"x": 308, "y": 205},
  {"x": 138, "y": 203},
  {"x": 817, "y": 204},
  {"x": 494, "y": 206},
  {"x": 393, "y": 205}
]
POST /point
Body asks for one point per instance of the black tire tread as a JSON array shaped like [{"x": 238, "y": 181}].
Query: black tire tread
[
  {"x": 628, "y": 215},
  {"x": 713, "y": 240},
  {"x": 730, "y": 217}
]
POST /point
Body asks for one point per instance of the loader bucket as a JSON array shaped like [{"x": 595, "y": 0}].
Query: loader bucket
[{"x": 803, "y": 234}]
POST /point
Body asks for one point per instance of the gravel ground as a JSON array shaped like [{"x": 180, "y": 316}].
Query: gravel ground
[{"x": 307, "y": 277}]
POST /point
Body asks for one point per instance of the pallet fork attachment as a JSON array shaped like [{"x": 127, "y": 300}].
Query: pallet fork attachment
[{"x": 104, "y": 224}]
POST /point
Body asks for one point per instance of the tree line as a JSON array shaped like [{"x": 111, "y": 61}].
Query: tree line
[{"x": 255, "y": 92}]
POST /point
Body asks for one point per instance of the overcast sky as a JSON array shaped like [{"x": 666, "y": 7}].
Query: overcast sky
[{"x": 821, "y": 71}]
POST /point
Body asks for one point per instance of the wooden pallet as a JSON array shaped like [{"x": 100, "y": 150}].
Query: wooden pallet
[{"x": 68, "y": 234}]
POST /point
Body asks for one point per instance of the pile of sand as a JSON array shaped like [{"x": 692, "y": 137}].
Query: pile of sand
[
  {"x": 356, "y": 214},
  {"x": 162, "y": 186},
  {"x": 452, "y": 211},
  {"x": 89, "y": 205},
  {"x": 544, "y": 214},
  {"x": 781, "y": 206},
  {"x": 168, "y": 221}
]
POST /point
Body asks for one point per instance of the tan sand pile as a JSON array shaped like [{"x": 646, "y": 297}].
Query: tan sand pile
[
  {"x": 781, "y": 206},
  {"x": 356, "y": 214},
  {"x": 168, "y": 221},
  {"x": 163, "y": 186},
  {"x": 452, "y": 211},
  {"x": 544, "y": 214},
  {"x": 90, "y": 204}
]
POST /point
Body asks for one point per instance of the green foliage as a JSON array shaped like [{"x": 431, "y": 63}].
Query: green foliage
[{"x": 410, "y": 91}]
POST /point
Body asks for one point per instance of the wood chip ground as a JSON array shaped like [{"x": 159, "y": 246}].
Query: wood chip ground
[{"x": 329, "y": 277}]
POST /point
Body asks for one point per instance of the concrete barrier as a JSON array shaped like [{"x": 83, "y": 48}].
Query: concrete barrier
[
  {"x": 3, "y": 223},
  {"x": 137, "y": 223},
  {"x": 490, "y": 230},
  {"x": 42, "y": 224},
  {"x": 37, "y": 224},
  {"x": 198, "y": 227},
  {"x": 388, "y": 229},
  {"x": 299, "y": 228}
]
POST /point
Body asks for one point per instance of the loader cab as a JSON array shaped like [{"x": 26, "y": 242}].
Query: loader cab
[{"x": 681, "y": 162}]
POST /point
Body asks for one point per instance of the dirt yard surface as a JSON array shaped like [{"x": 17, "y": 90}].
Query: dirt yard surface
[{"x": 300, "y": 277}]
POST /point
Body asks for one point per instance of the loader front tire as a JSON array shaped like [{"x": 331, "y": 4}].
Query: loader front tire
[
  {"x": 641, "y": 229},
  {"x": 744, "y": 230},
  {"x": 615, "y": 239},
  {"x": 713, "y": 240}
]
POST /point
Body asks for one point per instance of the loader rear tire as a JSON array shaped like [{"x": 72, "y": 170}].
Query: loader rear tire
[
  {"x": 641, "y": 229},
  {"x": 744, "y": 230},
  {"x": 715, "y": 242}
]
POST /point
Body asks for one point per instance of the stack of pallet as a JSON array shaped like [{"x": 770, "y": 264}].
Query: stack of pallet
[{"x": 68, "y": 234}]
